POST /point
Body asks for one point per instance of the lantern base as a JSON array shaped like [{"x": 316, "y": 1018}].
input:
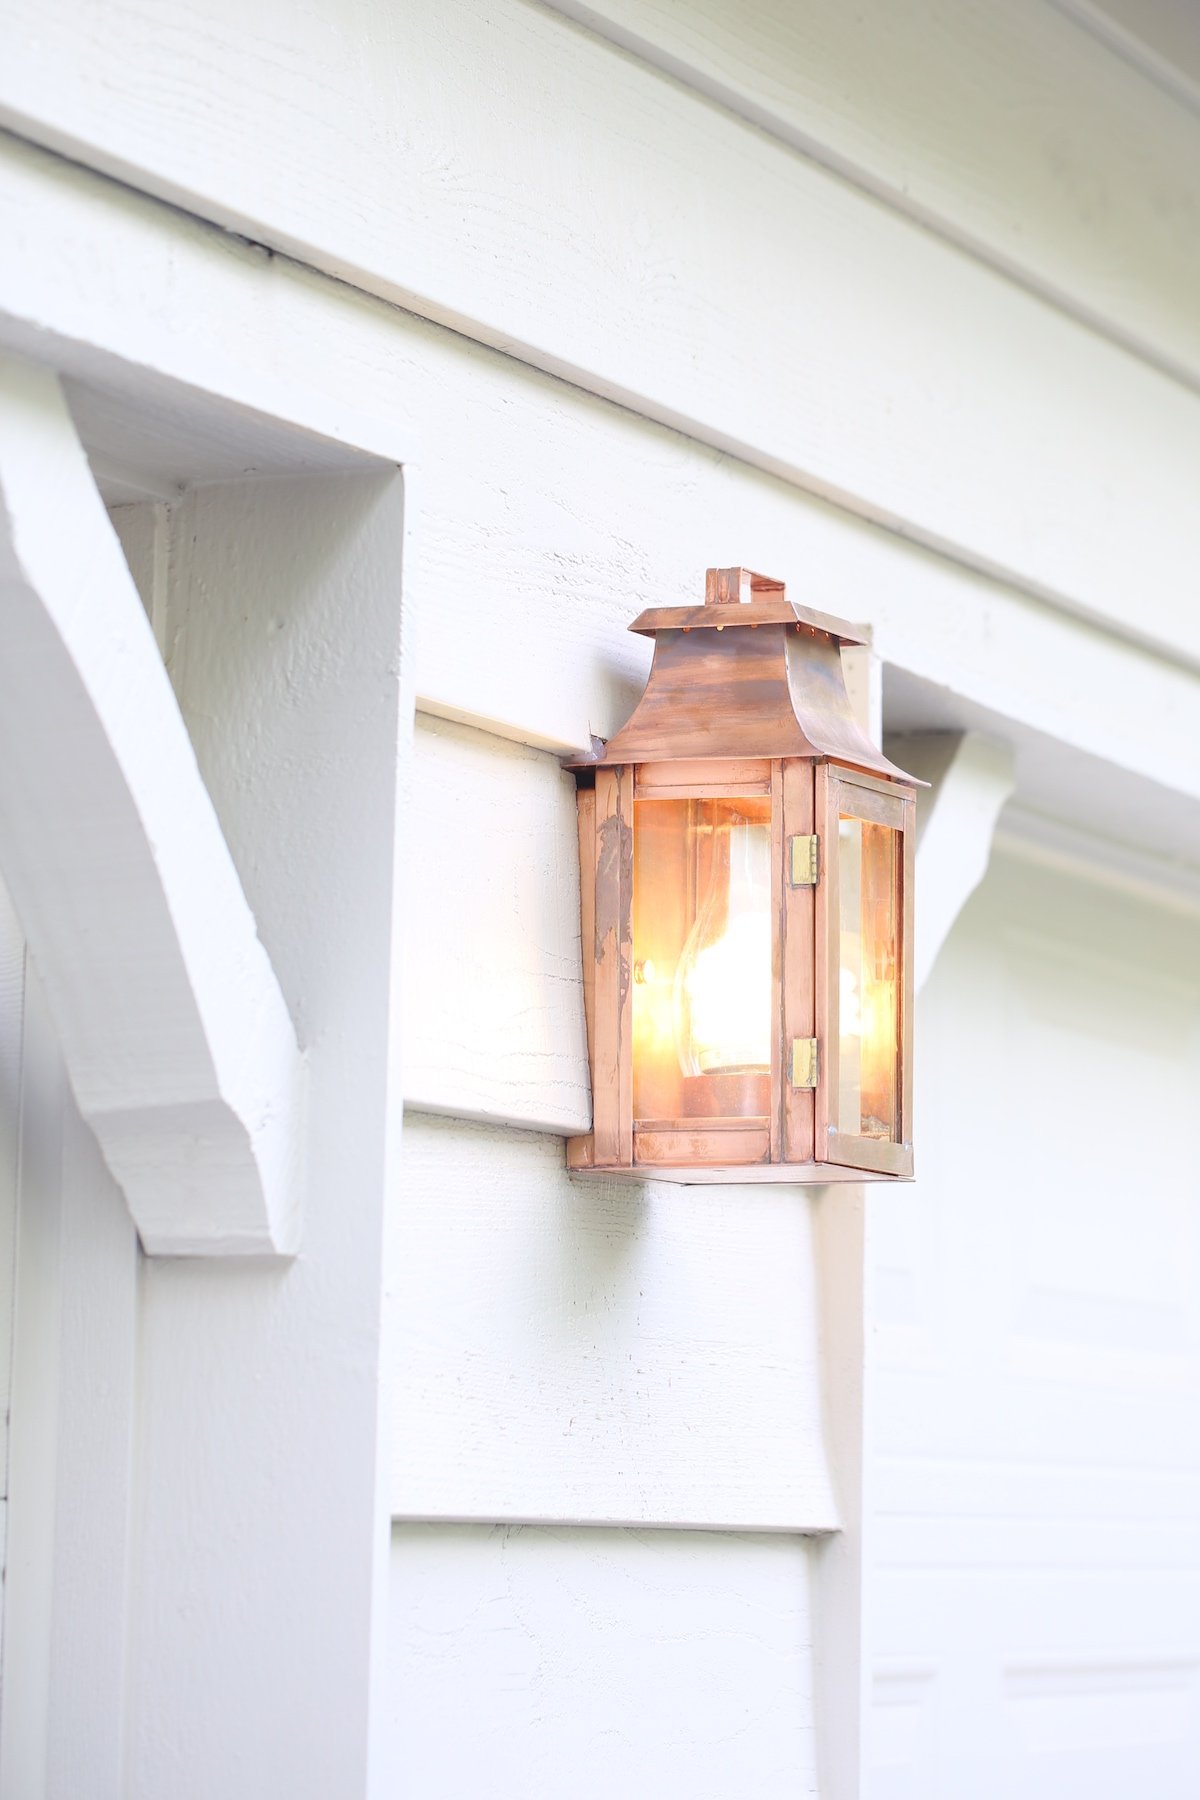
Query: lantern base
[
  {"x": 727, "y": 1094},
  {"x": 810, "y": 1174}
]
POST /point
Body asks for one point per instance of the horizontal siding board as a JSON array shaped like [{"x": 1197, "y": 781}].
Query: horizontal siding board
[
  {"x": 597, "y": 1663},
  {"x": 1009, "y": 129},
  {"x": 570, "y": 1350},
  {"x": 529, "y": 487},
  {"x": 554, "y": 209}
]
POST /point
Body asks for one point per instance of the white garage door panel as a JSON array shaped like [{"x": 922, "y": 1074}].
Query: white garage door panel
[
  {"x": 599, "y": 1665},
  {"x": 1035, "y": 1543},
  {"x": 1052, "y": 1685}
]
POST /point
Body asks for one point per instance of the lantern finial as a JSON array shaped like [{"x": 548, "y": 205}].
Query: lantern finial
[{"x": 739, "y": 587}]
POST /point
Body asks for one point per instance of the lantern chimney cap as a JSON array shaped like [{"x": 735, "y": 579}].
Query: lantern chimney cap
[{"x": 743, "y": 597}]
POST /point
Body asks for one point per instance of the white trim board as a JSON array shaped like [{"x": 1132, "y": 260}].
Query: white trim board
[
  {"x": 1118, "y": 865},
  {"x": 849, "y": 349},
  {"x": 73, "y": 1465},
  {"x": 531, "y": 487},
  {"x": 118, "y": 294},
  {"x": 996, "y": 128},
  {"x": 971, "y": 778},
  {"x": 1159, "y": 41}
]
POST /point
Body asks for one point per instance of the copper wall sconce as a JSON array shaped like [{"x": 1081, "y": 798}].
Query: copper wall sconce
[{"x": 746, "y": 876}]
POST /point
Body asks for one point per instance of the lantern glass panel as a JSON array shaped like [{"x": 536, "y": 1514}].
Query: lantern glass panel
[
  {"x": 869, "y": 979},
  {"x": 702, "y": 958}
]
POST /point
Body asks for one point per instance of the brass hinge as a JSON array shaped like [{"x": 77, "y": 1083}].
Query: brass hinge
[
  {"x": 804, "y": 1062},
  {"x": 805, "y": 860}
]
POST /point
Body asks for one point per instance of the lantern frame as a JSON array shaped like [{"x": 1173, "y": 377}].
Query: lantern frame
[{"x": 760, "y": 713}]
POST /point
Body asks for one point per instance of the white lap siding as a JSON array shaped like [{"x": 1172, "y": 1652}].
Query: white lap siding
[{"x": 1035, "y": 1390}]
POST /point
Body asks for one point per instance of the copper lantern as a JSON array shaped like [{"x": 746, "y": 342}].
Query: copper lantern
[{"x": 746, "y": 866}]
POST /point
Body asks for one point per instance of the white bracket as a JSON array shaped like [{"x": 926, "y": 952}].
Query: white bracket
[
  {"x": 175, "y": 1034},
  {"x": 971, "y": 776}
]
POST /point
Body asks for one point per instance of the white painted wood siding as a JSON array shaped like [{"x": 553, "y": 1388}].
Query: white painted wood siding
[
  {"x": 596, "y": 1664},
  {"x": 71, "y": 1434},
  {"x": 567, "y": 1350},
  {"x": 259, "y": 1409},
  {"x": 902, "y": 308},
  {"x": 551, "y": 516},
  {"x": 1006, "y": 129},
  {"x": 1034, "y": 1574},
  {"x": 553, "y": 209}
]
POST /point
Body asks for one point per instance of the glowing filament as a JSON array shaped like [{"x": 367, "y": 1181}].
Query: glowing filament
[{"x": 723, "y": 983}]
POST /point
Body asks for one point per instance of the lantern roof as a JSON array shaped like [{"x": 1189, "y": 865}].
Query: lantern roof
[
  {"x": 747, "y": 674},
  {"x": 761, "y": 601}
]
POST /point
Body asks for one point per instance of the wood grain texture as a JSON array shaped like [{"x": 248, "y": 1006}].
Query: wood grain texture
[
  {"x": 176, "y": 1036},
  {"x": 493, "y": 1021},
  {"x": 258, "y": 1395},
  {"x": 946, "y": 399},
  {"x": 1007, "y": 130},
  {"x": 565, "y": 1351},
  {"x": 597, "y": 1664},
  {"x": 125, "y": 290}
]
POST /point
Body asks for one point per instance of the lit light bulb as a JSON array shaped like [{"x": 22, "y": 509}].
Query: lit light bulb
[{"x": 723, "y": 981}]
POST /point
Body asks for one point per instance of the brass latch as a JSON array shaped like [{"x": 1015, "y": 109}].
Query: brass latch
[
  {"x": 805, "y": 859},
  {"x": 804, "y": 1062}
]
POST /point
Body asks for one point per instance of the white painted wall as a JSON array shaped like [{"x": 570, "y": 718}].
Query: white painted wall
[
  {"x": 259, "y": 1397},
  {"x": 1034, "y": 1539},
  {"x": 597, "y": 1663},
  {"x": 900, "y": 307},
  {"x": 702, "y": 317},
  {"x": 181, "y": 1442},
  {"x": 549, "y": 579},
  {"x": 569, "y": 1351}
]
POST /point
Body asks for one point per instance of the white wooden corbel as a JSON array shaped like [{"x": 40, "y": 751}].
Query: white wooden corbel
[
  {"x": 971, "y": 776},
  {"x": 173, "y": 1029}
]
